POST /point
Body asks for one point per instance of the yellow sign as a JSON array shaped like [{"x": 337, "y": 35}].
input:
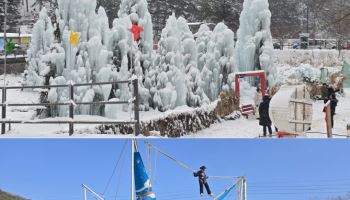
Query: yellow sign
[
  {"x": 24, "y": 40},
  {"x": 74, "y": 38}
]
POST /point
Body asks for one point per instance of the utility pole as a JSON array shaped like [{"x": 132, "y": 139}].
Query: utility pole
[
  {"x": 27, "y": 7},
  {"x": 307, "y": 15},
  {"x": 307, "y": 19}
]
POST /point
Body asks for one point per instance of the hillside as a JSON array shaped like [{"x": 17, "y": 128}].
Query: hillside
[{"x": 8, "y": 196}]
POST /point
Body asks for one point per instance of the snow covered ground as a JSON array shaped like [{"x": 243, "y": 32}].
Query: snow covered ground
[
  {"x": 241, "y": 128},
  {"x": 249, "y": 128}
]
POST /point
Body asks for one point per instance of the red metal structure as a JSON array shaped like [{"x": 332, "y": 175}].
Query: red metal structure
[{"x": 259, "y": 73}]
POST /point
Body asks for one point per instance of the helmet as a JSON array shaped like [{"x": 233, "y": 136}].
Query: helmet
[{"x": 203, "y": 167}]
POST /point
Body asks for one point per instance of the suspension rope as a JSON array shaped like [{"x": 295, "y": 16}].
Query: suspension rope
[
  {"x": 170, "y": 157},
  {"x": 239, "y": 178},
  {"x": 225, "y": 177},
  {"x": 115, "y": 168}
]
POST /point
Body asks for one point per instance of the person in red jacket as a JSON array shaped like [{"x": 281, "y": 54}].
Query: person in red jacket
[
  {"x": 202, "y": 178},
  {"x": 136, "y": 30}
]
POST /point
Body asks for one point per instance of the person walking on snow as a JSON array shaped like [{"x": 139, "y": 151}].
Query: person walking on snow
[
  {"x": 202, "y": 178},
  {"x": 265, "y": 120}
]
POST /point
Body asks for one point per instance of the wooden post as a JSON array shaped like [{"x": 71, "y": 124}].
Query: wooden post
[
  {"x": 237, "y": 85},
  {"x": 3, "y": 114},
  {"x": 263, "y": 84},
  {"x": 136, "y": 106},
  {"x": 327, "y": 110},
  {"x": 71, "y": 109}
]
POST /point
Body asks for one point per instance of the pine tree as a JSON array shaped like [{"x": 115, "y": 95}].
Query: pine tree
[
  {"x": 13, "y": 15},
  {"x": 111, "y": 8},
  {"x": 162, "y": 9},
  {"x": 286, "y": 24},
  {"x": 216, "y": 11}
]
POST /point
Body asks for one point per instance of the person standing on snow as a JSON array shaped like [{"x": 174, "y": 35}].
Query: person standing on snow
[
  {"x": 265, "y": 120},
  {"x": 202, "y": 178},
  {"x": 334, "y": 103},
  {"x": 324, "y": 91},
  {"x": 257, "y": 100}
]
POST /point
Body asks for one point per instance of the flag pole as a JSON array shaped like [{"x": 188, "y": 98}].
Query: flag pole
[{"x": 132, "y": 167}]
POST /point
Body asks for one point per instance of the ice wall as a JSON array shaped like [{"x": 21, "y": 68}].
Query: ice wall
[{"x": 254, "y": 48}]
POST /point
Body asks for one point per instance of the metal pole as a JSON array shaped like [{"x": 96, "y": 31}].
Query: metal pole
[
  {"x": 132, "y": 168},
  {"x": 71, "y": 109},
  {"x": 84, "y": 193},
  {"x": 5, "y": 38},
  {"x": 136, "y": 106},
  {"x": 245, "y": 188},
  {"x": 96, "y": 195},
  {"x": 240, "y": 189},
  {"x": 3, "y": 114}
]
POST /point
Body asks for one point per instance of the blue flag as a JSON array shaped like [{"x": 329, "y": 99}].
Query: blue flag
[
  {"x": 142, "y": 182},
  {"x": 225, "y": 193}
]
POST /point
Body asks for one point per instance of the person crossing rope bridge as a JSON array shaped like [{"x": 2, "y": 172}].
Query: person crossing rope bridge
[{"x": 202, "y": 179}]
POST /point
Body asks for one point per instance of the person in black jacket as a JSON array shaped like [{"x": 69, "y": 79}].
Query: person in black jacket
[
  {"x": 334, "y": 103},
  {"x": 202, "y": 178},
  {"x": 265, "y": 120}
]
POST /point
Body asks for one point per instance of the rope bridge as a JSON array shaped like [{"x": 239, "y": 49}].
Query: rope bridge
[{"x": 240, "y": 180}]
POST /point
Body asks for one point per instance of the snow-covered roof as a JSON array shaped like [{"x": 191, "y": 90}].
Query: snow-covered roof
[{"x": 12, "y": 35}]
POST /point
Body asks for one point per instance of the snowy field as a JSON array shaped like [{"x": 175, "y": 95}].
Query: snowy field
[
  {"x": 249, "y": 128},
  {"x": 241, "y": 128}
]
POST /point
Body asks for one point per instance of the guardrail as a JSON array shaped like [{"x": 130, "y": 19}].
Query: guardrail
[{"x": 135, "y": 100}]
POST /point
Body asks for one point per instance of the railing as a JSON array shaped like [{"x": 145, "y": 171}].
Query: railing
[{"x": 71, "y": 104}]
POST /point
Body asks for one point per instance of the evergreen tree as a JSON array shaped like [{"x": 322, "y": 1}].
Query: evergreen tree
[
  {"x": 162, "y": 9},
  {"x": 286, "y": 24},
  {"x": 111, "y": 8},
  {"x": 13, "y": 15},
  {"x": 216, "y": 11}
]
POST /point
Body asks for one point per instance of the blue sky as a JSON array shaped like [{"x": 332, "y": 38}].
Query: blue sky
[{"x": 54, "y": 169}]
